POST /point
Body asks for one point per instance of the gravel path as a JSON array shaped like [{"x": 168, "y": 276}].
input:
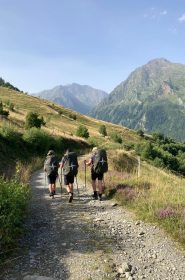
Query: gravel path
[{"x": 90, "y": 240}]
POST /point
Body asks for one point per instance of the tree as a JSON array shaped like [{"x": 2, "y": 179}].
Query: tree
[
  {"x": 102, "y": 130},
  {"x": 82, "y": 131},
  {"x": 33, "y": 120}
]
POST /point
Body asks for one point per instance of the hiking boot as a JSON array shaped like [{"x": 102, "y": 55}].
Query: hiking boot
[
  {"x": 54, "y": 192},
  {"x": 95, "y": 195},
  {"x": 70, "y": 197},
  {"x": 100, "y": 197},
  {"x": 51, "y": 194}
]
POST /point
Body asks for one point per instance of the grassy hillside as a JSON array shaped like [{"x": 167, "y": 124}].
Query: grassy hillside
[
  {"x": 59, "y": 120},
  {"x": 153, "y": 193}
]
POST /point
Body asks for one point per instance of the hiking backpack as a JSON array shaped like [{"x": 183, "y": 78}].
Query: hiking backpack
[
  {"x": 100, "y": 163},
  {"x": 70, "y": 167},
  {"x": 51, "y": 165}
]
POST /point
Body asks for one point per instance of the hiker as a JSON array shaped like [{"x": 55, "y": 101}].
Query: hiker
[
  {"x": 99, "y": 166},
  {"x": 69, "y": 163},
  {"x": 51, "y": 166}
]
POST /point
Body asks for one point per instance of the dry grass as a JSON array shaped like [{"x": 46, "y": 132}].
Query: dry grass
[{"x": 58, "y": 124}]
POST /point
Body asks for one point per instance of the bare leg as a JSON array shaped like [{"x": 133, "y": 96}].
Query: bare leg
[
  {"x": 100, "y": 189},
  {"x": 100, "y": 186},
  {"x": 95, "y": 195},
  {"x": 70, "y": 191},
  {"x": 70, "y": 188},
  {"x": 50, "y": 187},
  {"x": 94, "y": 185}
]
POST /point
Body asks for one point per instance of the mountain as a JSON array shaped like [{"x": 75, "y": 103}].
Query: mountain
[
  {"x": 152, "y": 99},
  {"x": 81, "y": 98}
]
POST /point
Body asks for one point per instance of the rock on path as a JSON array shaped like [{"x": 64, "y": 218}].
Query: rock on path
[{"x": 90, "y": 240}]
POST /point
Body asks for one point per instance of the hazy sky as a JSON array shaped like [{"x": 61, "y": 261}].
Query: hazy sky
[{"x": 44, "y": 43}]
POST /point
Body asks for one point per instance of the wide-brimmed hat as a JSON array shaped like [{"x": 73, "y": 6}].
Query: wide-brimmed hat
[{"x": 51, "y": 152}]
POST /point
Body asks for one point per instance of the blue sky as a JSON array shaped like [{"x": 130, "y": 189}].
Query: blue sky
[{"x": 45, "y": 43}]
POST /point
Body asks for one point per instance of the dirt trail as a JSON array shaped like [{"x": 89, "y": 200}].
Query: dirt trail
[{"x": 90, "y": 240}]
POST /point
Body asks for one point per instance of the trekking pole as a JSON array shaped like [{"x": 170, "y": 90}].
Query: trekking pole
[
  {"x": 77, "y": 186},
  {"x": 45, "y": 181},
  {"x": 60, "y": 180},
  {"x": 85, "y": 177}
]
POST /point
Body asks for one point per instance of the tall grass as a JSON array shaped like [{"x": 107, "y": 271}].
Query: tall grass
[
  {"x": 13, "y": 201},
  {"x": 156, "y": 196}
]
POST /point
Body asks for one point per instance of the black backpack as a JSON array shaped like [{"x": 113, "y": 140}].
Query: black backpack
[
  {"x": 70, "y": 167},
  {"x": 51, "y": 165},
  {"x": 100, "y": 163}
]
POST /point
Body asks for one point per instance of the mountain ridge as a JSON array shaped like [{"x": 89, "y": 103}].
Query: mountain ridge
[
  {"x": 81, "y": 98},
  {"x": 151, "y": 98}
]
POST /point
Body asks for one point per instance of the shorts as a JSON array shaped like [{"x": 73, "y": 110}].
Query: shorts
[
  {"x": 95, "y": 176},
  {"x": 52, "y": 179},
  {"x": 68, "y": 179}
]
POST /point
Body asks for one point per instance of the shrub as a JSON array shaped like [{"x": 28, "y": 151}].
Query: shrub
[
  {"x": 3, "y": 112},
  {"x": 73, "y": 116},
  {"x": 33, "y": 120},
  {"x": 10, "y": 105},
  {"x": 10, "y": 134},
  {"x": 122, "y": 162},
  {"x": 128, "y": 147},
  {"x": 103, "y": 130},
  {"x": 37, "y": 140},
  {"x": 82, "y": 131},
  {"x": 140, "y": 133},
  {"x": 158, "y": 162},
  {"x": 126, "y": 193},
  {"x": 116, "y": 138}
]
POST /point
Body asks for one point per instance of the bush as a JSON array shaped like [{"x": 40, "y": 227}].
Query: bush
[
  {"x": 116, "y": 138},
  {"x": 82, "y": 131},
  {"x": 128, "y": 147},
  {"x": 158, "y": 162},
  {"x": 102, "y": 130},
  {"x": 10, "y": 134},
  {"x": 73, "y": 116},
  {"x": 33, "y": 120},
  {"x": 140, "y": 133},
  {"x": 122, "y": 162},
  {"x": 10, "y": 105},
  {"x": 37, "y": 140},
  {"x": 3, "y": 112}
]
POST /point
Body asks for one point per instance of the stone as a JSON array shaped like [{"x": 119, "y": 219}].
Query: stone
[
  {"x": 126, "y": 267},
  {"x": 114, "y": 205}
]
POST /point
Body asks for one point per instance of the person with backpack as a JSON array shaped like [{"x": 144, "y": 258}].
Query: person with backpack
[
  {"x": 51, "y": 166},
  {"x": 99, "y": 165},
  {"x": 69, "y": 163}
]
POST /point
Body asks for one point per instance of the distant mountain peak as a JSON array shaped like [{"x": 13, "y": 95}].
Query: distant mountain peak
[
  {"x": 81, "y": 98},
  {"x": 151, "y": 98},
  {"x": 158, "y": 60}
]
